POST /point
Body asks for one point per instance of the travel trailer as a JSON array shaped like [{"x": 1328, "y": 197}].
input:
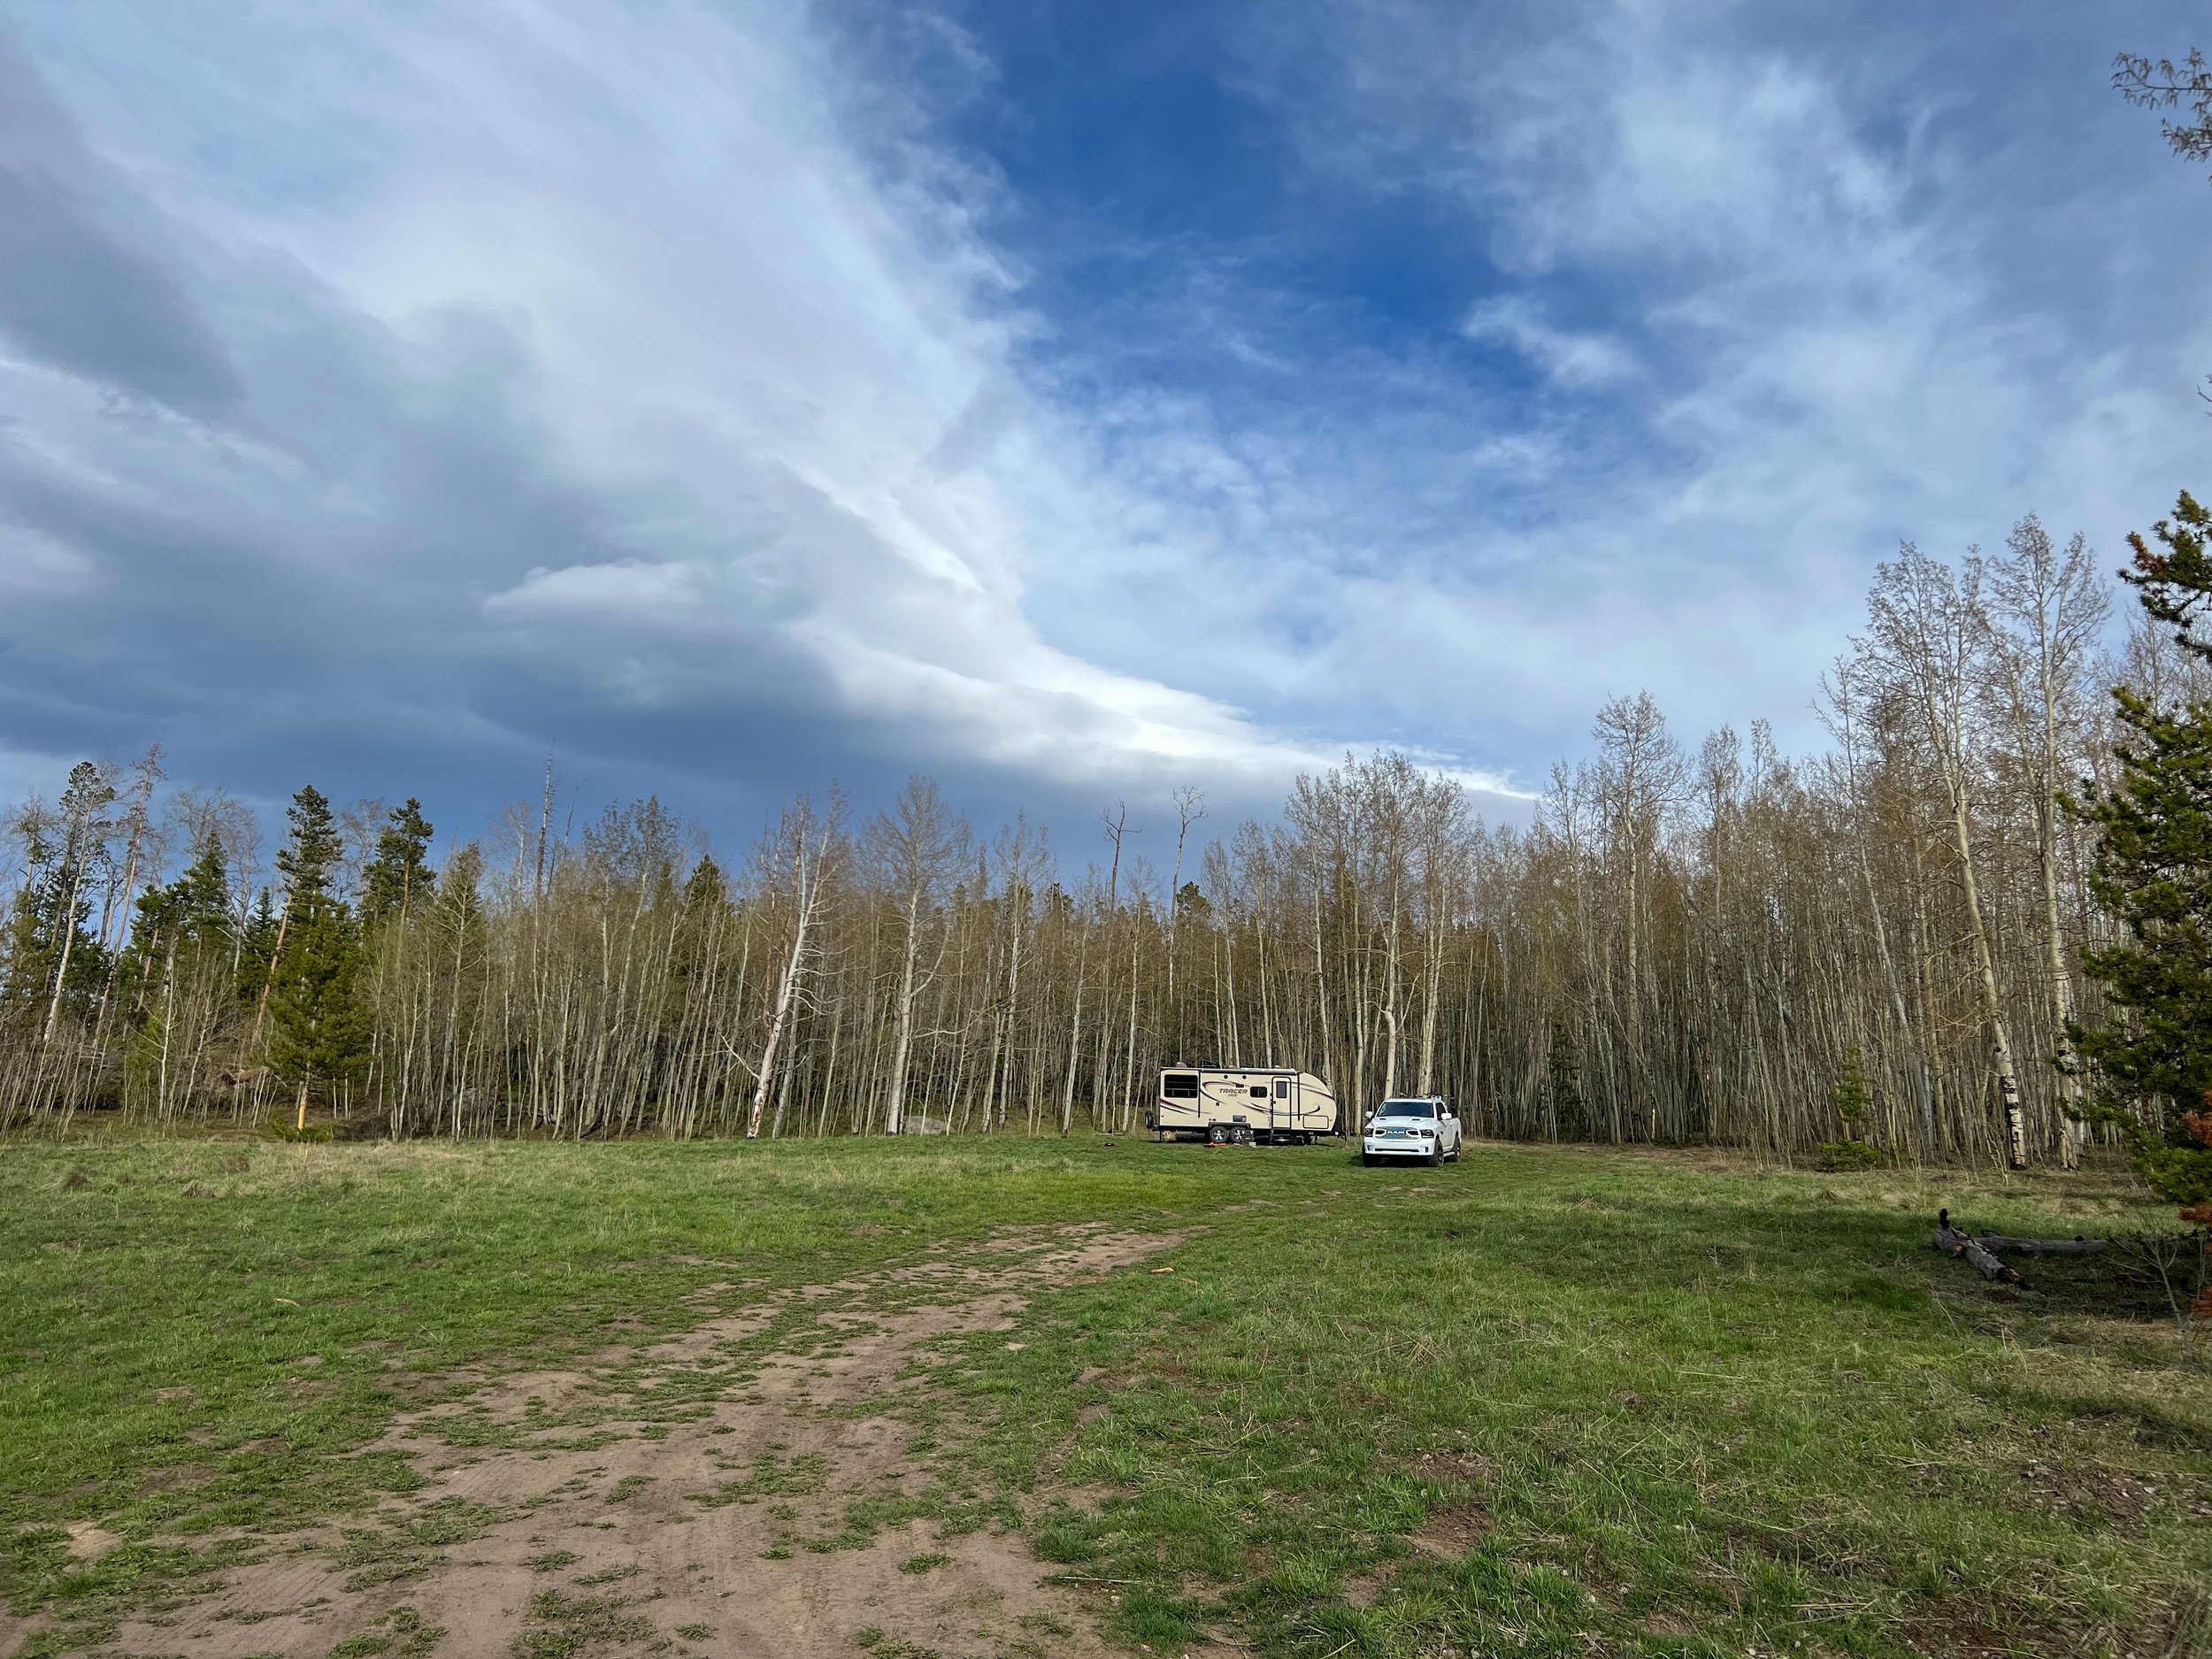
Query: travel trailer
[{"x": 1275, "y": 1103}]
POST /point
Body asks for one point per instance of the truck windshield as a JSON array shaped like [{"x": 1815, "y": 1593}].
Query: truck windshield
[{"x": 1408, "y": 1109}]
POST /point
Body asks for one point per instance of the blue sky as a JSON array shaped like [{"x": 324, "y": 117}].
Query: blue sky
[{"x": 1071, "y": 400}]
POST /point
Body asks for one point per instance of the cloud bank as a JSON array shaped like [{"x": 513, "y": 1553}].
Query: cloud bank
[{"x": 742, "y": 397}]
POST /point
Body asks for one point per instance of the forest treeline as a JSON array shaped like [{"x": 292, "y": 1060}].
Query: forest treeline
[{"x": 1881, "y": 943}]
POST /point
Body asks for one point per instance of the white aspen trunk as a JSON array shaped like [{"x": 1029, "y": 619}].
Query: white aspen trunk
[
  {"x": 903, "y": 1041},
  {"x": 1013, "y": 1001},
  {"x": 1321, "y": 994},
  {"x": 276, "y": 954},
  {"x": 1129, "y": 1076},
  {"x": 1993, "y": 1006},
  {"x": 810, "y": 898},
  {"x": 1432, "y": 994},
  {"x": 2073, "y": 1128},
  {"x": 121, "y": 926},
  {"x": 168, "y": 1027},
  {"x": 1105, "y": 1036},
  {"x": 1391, "y": 983},
  {"x": 68, "y": 939},
  {"x": 1235, "y": 1044},
  {"x": 1075, "y": 1036}
]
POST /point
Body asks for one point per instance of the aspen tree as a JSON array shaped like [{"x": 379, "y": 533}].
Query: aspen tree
[
  {"x": 1927, "y": 623},
  {"x": 806, "y": 842},
  {"x": 914, "y": 847},
  {"x": 1190, "y": 806},
  {"x": 2049, "y": 608},
  {"x": 85, "y": 829}
]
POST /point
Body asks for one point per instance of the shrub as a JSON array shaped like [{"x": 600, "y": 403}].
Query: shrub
[{"x": 1836, "y": 1156}]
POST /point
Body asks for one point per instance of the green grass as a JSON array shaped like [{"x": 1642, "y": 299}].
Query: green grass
[
  {"x": 566, "y": 1624},
  {"x": 1552, "y": 1401}
]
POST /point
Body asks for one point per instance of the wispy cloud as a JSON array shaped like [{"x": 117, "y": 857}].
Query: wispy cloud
[
  {"x": 1807, "y": 314},
  {"x": 1575, "y": 360}
]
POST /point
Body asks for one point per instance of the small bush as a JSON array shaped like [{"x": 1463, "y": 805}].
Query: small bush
[{"x": 1836, "y": 1156}]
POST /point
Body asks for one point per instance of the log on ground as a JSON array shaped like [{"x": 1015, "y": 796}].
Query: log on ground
[{"x": 1956, "y": 1242}]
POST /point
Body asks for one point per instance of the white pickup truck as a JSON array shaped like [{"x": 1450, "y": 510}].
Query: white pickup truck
[{"x": 1427, "y": 1129}]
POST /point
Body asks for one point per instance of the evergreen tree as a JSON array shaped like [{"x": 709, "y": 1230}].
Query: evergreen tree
[
  {"x": 706, "y": 891},
  {"x": 1192, "y": 908},
  {"x": 2154, "y": 874},
  {"x": 257, "y": 948},
  {"x": 191, "y": 914},
  {"x": 320, "y": 1030},
  {"x": 1563, "y": 1083},
  {"x": 457, "y": 898},
  {"x": 1851, "y": 1096},
  {"x": 2174, "y": 579},
  {"x": 399, "y": 875}
]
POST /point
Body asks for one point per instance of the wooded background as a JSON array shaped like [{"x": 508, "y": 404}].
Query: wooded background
[{"x": 1876, "y": 944}]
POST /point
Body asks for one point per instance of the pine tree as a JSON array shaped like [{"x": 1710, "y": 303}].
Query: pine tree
[
  {"x": 1563, "y": 1084},
  {"x": 320, "y": 1030},
  {"x": 2154, "y": 874},
  {"x": 399, "y": 875},
  {"x": 257, "y": 949},
  {"x": 192, "y": 912},
  {"x": 1851, "y": 1096}
]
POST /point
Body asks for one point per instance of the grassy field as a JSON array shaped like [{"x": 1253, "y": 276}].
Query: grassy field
[{"x": 1549, "y": 1401}]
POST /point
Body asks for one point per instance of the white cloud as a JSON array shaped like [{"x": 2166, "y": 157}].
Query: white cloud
[
  {"x": 653, "y": 371},
  {"x": 1576, "y": 361},
  {"x": 1810, "y": 341},
  {"x": 744, "y": 413}
]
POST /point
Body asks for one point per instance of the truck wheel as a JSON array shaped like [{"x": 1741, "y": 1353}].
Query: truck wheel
[
  {"x": 1436, "y": 1159},
  {"x": 1367, "y": 1158}
]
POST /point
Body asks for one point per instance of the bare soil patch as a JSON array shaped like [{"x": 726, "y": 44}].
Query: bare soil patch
[
  {"x": 776, "y": 1482},
  {"x": 87, "y": 1543},
  {"x": 1452, "y": 1468},
  {"x": 2088, "y": 1492},
  {"x": 1451, "y": 1533}
]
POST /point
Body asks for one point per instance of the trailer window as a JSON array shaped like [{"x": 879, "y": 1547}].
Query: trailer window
[
  {"x": 1179, "y": 1085},
  {"x": 1282, "y": 1089},
  {"x": 1259, "y": 1091}
]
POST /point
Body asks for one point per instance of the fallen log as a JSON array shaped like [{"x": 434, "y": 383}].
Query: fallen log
[
  {"x": 2077, "y": 1246},
  {"x": 1956, "y": 1242},
  {"x": 2006, "y": 1245},
  {"x": 1980, "y": 1260}
]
